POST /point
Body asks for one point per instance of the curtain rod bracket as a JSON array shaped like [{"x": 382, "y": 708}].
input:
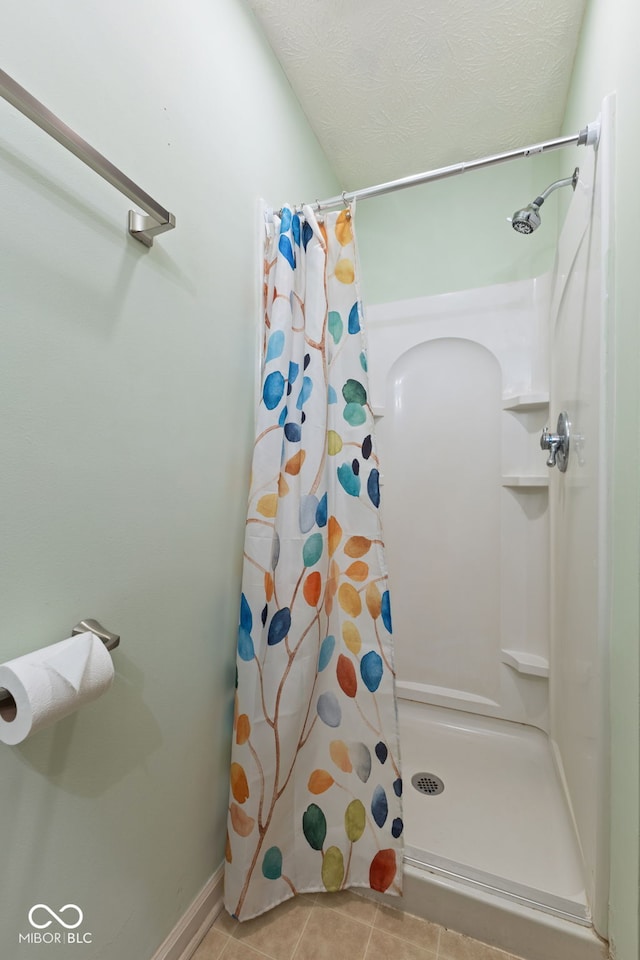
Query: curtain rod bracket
[{"x": 590, "y": 135}]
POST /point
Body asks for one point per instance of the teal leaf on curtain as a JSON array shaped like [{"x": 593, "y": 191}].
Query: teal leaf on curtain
[
  {"x": 348, "y": 480},
  {"x": 326, "y": 652},
  {"x": 314, "y": 826}
]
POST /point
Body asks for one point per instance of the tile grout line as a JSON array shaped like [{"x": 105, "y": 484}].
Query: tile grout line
[
  {"x": 224, "y": 949},
  {"x": 232, "y": 939},
  {"x": 304, "y": 927},
  {"x": 433, "y": 954},
  {"x": 440, "y": 929},
  {"x": 371, "y": 929}
]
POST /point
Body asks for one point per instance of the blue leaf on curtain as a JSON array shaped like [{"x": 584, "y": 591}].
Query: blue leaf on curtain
[
  {"x": 295, "y": 229},
  {"x": 287, "y": 251},
  {"x": 397, "y": 827},
  {"x": 273, "y": 390},
  {"x": 308, "y": 508},
  {"x": 275, "y": 346},
  {"x": 386, "y": 611},
  {"x": 321, "y": 512},
  {"x": 285, "y": 221},
  {"x": 354, "y": 318},
  {"x": 246, "y": 649},
  {"x": 371, "y": 670},
  {"x": 379, "y": 806},
  {"x": 305, "y": 392},
  {"x": 292, "y": 432},
  {"x": 307, "y": 233},
  {"x": 329, "y": 709},
  {"x": 294, "y": 369},
  {"x": 246, "y": 618},
  {"x": 381, "y": 751},
  {"x": 373, "y": 487},
  {"x": 279, "y": 626}
]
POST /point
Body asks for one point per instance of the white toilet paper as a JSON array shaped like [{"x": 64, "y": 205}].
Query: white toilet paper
[{"x": 50, "y": 683}]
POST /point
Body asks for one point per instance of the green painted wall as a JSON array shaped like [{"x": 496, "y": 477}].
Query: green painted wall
[
  {"x": 127, "y": 407},
  {"x": 607, "y": 61},
  {"x": 453, "y": 234}
]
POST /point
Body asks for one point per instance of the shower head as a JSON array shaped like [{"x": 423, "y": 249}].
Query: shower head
[{"x": 528, "y": 219}]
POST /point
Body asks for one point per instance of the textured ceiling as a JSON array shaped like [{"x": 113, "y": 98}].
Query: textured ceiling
[{"x": 395, "y": 87}]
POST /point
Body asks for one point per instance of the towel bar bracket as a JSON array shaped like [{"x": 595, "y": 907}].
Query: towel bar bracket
[{"x": 144, "y": 228}]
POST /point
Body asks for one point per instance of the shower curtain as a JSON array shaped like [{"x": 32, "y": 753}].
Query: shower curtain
[{"x": 315, "y": 798}]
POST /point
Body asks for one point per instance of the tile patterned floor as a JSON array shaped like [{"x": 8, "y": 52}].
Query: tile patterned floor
[{"x": 338, "y": 926}]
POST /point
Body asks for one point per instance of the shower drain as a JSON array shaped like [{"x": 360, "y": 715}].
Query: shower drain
[{"x": 427, "y": 783}]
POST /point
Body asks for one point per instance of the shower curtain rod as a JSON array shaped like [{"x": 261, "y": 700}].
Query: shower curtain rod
[
  {"x": 142, "y": 228},
  {"x": 587, "y": 137}
]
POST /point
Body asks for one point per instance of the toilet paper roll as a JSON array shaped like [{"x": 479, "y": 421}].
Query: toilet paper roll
[{"x": 50, "y": 683}]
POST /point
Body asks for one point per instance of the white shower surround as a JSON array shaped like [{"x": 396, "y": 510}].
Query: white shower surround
[
  {"x": 457, "y": 360},
  {"x": 543, "y": 646}
]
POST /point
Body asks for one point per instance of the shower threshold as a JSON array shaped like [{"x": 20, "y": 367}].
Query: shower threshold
[{"x": 541, "y": 900}]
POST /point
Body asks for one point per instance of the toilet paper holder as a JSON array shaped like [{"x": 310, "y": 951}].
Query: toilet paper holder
[{"x": 110, "y": 640}]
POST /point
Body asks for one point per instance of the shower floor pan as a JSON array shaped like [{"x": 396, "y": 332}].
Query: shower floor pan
[{"x": 494, "y": 854}]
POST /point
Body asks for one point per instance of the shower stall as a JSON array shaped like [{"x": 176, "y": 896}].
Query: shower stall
[{"x": 498, "y": 570}]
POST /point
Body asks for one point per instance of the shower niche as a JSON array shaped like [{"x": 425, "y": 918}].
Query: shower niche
[{"x": 459, "y": 386}]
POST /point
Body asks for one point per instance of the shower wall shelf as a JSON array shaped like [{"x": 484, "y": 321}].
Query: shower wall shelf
[
  {"x": 529, "y": 664},
  {"x": 525, "y": 482},
  {"x": 526, "y": 402},
  {"x": 141, "y": 227}
]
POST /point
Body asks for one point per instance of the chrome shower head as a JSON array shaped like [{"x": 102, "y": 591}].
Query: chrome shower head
[{"x": 528, "y": 219}]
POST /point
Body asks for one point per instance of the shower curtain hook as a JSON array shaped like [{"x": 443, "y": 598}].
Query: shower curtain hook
[{"x": 347, "y": 205}]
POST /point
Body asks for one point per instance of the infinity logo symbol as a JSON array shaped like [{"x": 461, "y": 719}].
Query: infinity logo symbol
[{"x": 56, "y": 916}]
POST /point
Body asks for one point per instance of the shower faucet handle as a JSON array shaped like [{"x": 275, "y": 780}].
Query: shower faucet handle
[
  {"x": 557, "y": 443},
  {"x": 551, "y": 442}
]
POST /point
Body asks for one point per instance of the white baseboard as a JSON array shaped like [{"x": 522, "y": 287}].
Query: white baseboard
[{"x": 194, "y": 923}]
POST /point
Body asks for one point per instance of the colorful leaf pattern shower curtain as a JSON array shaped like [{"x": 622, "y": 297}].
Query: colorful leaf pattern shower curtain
[{"x": 315, "y": 800}]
